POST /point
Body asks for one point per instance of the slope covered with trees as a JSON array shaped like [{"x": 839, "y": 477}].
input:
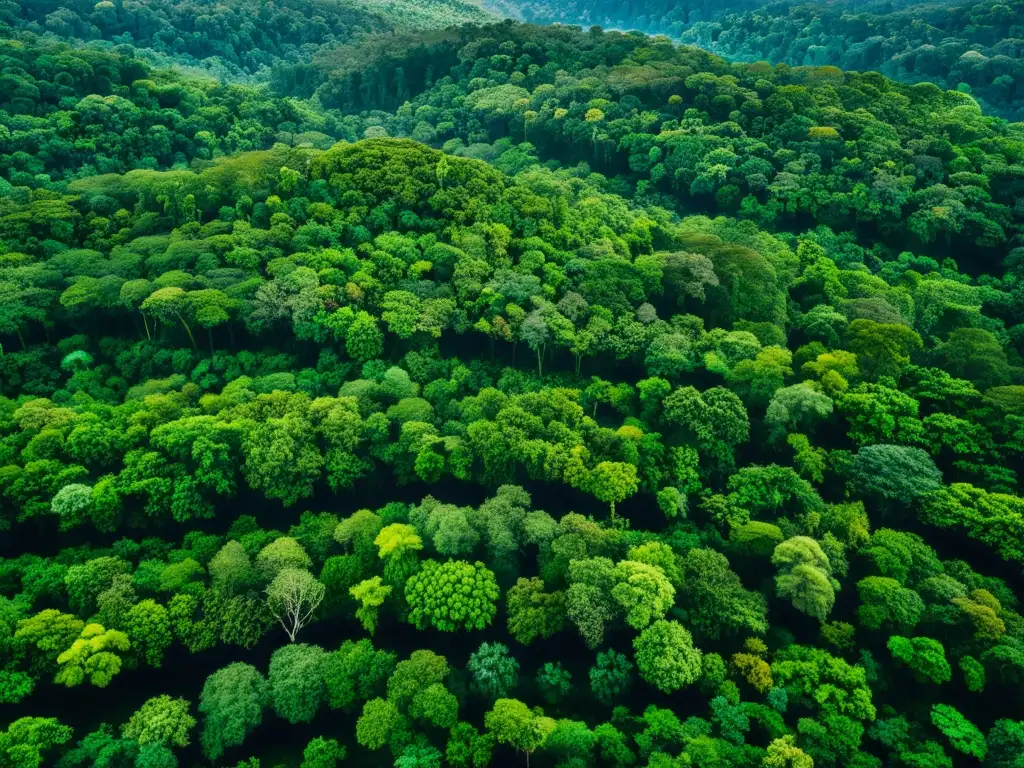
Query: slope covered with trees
[
  {"x": 974, "y": 46},
  {"x": 507, "y": 394},
  {"x": 234, "y": 38}
]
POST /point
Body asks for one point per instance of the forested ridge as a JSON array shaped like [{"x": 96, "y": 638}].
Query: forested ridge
[
  {"x": 973, "y": 46},
  {"x": 231, "y": 39},
  {"x": 499, "y": 394}
]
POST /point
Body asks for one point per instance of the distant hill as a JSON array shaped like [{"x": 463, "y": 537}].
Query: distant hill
[
  {"x": 231, "y": 38},
  {"x": 976, "y": 47}
]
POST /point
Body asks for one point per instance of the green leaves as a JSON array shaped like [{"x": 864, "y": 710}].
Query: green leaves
[
  {"x": 92, "y": 657},
  {"x": 370, "y": 594},
  {"x": 296, "y": 677},
  {"x": 666, "y": 657},
  {"x": 925, "y": 657},
  {"x": 232, "y": 703},
  {"x": 961, "y": 732},
  {"x": 805, "y": 576},
  {"x": 161, "y": 720},
  {"x": 452, "y": 595}
]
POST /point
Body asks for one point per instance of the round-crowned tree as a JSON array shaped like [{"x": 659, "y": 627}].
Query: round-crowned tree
[
  {"x": 666, "y": 657},
  {"x": 452, "y": 595}
]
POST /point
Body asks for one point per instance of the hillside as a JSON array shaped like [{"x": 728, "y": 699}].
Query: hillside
[
  {"x": 502, "y": 393},
  {"x": 974, "y": 46},
  {"x": 231, "y": 38}
]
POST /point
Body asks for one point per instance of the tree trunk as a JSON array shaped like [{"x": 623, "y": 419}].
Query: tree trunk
[
  {"x": 540, "y": 365},
  {"x": 209, "y": 333},
  {"x": 189, "y": 332},
  {"x": 145, "y": 322}
]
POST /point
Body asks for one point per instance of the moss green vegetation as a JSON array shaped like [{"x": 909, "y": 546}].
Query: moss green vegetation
[{"x": 503, "y": 394}]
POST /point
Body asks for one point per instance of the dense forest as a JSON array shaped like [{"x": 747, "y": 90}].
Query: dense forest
[
  {"x": 976, "y": 46},
  {"x": 499, "y": 395},
  {"x": 235, "y": 38}
]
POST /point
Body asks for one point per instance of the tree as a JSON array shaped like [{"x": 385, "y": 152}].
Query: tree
[
  {"x": 974, "y": 674},
  {"x": 149, "y": 628},
  {"x": 974, "y": 354},
  {"x": 296, "y": 682},
  {"x": 962, "y": 734},
  {"x": 666, "y": 657},
  {"x": 925, "y": 657},
  {"x": 754, "y": 669},
  {"x": 1005, "y": 744},
  {"x": 716, "y": 419},
  {"x": 26, "y": 739},
  {"x": 18, "y": 305},
  {"x": 532, "y": 612},
  {"x": 322, "y": 753},
  {"x": 643, "y": 591},
  {"x": 884, "y": 602},
  {"x": 398, "y": 544},
  {"x": 468, "y": 748},
  {"x": 995, "y": 519},
  {"x": 282, "y": 459},
  {"x": 170, "y": 304},
  {"x": 435, "y": 705},
  {"x": 231, "y": 569},
  {"x": 798, "y": 408},
  {"x": 210, "y": 308},
  {"x": 356, "y": 672},
  {"x": 49, "y": 632},
  {"x": 370, "y": 594},
  {"x": 613, "y": 481},
  {"x": 452, "y": 595},
  {"x": 293, "y": 597},
  {"x": 494, "y": 673},
  {"x": 92, "y": 656},
  {"x": 379, "y": 721},
  {"x": 535, "y": 332},
  {"x": 364, "y": 341},
  {"x": 570, "y": 739},
  {"x": 883, "y": 349},
  {"x": 784, "y": 753},
  {"x": 810, "y": 589},
  {"x": 414, "y": 675},
  {"x": 73, "y": 505},
  {"x": 589, "y": 603},
  {"x": 513, "y": 723},
  {"x": 396, "y": 540},
  {"x": 815, "y": 678},
  {"x": 714, "y": 597},
  {"x": 282, "y": 553},
  {"x": 554, "y": 682},
  {"x": 161, "y": 720},
  {"x": 805, "y": 576},
  {"x": 232, "y": 703},
  {"x": 611, "y": 676},
  {"x": 86, "y": 581},
  {"x": 895, "y": 472}
]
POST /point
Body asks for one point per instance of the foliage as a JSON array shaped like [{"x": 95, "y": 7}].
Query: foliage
[
  {"x": 573, "y": 339},
  {"x": 452, "y": 595}
]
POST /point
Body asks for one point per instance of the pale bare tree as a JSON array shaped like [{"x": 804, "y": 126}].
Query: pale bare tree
[{"x": 292, "y": 597}]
